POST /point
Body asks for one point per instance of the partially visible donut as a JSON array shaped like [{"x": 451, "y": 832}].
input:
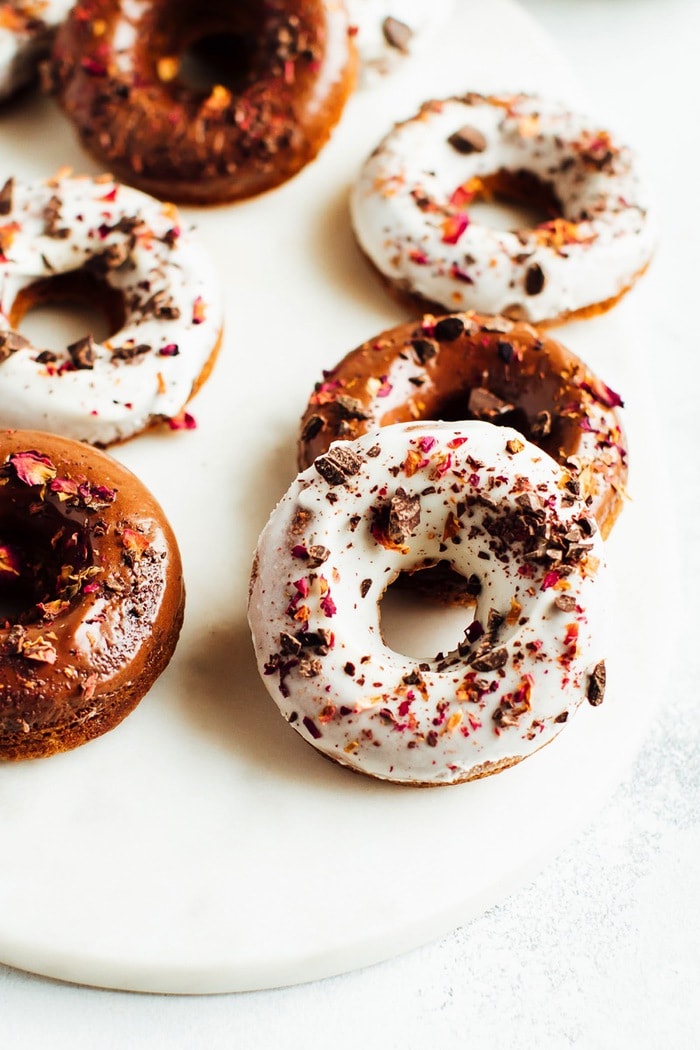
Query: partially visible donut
[
  {"x": 465, "y": 366},
  {"x": 26, "y": 31},
  {"x": 91, "y": 589},
  {"x": 503, "y": 514},
  {"x": 388, "y": 31},
  {"x": 286, "y": 68},
  {"x": 92, "y": 238},
  {"x": 410, "y": 209}
]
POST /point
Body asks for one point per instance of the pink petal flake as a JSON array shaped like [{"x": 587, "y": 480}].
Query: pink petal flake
[
  {"x": 32, "y": 468},
  {"x": 182, "y": 421},
  {"x": 453, "y": 227},
  {"x": 551, "y": 579}
]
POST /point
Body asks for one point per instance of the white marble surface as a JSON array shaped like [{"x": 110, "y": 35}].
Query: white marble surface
[{"x": 602, "y": 950}]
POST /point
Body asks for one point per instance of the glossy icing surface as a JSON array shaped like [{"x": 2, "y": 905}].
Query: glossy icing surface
[
  {"x": 465, "y": 366},
  {"x": 92, "y": 592},
  {"x": 84, "y": 237},
  {"x": 410, "y": 208},
  {"x": 281, "y": 73},
  {"x": 503, "y": 514}
]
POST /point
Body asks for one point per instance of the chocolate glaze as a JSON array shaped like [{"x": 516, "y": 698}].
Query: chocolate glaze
[
  {"x": 440, "y": 368},
  {"x": 94, "y": 615},
  {"x": 116, "y": 70}
]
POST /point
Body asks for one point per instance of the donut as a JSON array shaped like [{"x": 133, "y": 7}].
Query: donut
[
  {"x": 26, "y": 30},
  {"x": 91, "y": 588},
  {"x": 503, "y": 513},
  {"x": 285, "y": 69},
  {"x": 388, "y": 31},
  {"x": 465, "y": 366},
  {"x": 93, "y": 239},
  {"x": 410, "y": 209}
]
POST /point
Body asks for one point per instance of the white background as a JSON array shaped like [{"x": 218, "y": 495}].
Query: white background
[{"x": 603, "y": 949}]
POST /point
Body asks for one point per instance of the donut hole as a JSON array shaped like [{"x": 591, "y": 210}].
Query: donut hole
[
  {"x": 417, "y": 616},
  {"x": 225, "y": 59},
  {"x": 54, "y": 312},
  {"x": 518, "y": 200},
  {"x": 224, "y": 45},
  {"x": 44, "y": 560}
]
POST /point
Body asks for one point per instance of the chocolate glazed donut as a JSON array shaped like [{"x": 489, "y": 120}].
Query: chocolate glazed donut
[
  {"x": 274, "y": 78},
  {"x": 91, "y": 593},
  {"x": 465, "y": 366}
]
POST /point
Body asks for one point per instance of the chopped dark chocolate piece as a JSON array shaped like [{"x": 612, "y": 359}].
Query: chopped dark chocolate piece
[
  {"x": 312, "y": 426},
  {"x": 449, "y": 329},
  {"x": 486, "y": 405},
  {"x": 565, "y": 602},
  {"x": 563, "y": 717},
  {"x": 425, "y": 349},
  {"x": 82, "y": 352},
  {"x": 337, "y": 465},
  {"x": 468, "y": 140},
  {"x": 596, "y": 684},
  {"x": 404, "y": 516},
  {"x": 10, "y": 342},
  {"x": 489, "y": 660},
  {"x": 317, "y": 555},
  {"x": 397, "y": 34},
  {"x": 364, "y": 587},
  {"x": 534, "y": 279},
  {"x": 289, "y": 645},
  {"x": 350, "y": 408},
  {"x": 128, "y": 353}
]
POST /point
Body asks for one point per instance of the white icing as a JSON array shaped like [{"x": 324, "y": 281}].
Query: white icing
[
  {"x": 361, "y": 712},
  {"x": 367, "y": 17},
  {"x": 116, "y": 398},
  {"x": 26, "y": 28},
  {"x": 486, "y": 268}
]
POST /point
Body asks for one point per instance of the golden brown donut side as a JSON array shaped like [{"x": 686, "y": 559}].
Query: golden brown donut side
[
  {"x": 467, "y": 366},
  {"x": 153, "y": 129},
  {"x": 92, "y": 589}
]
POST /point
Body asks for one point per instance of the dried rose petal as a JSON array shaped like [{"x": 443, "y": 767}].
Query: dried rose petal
[
  {"x": 199, "y": 310},
  {"x": 453, "y": 227},
  {"x": 183, "y": 421},
  {"x": 135, "y": 542},
  {"x": 32, "y": 468}
]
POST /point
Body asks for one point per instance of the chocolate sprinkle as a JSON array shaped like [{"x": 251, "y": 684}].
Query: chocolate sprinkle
[
  {"x": 596, "y": 684},
  {"x": 468, "y": 140},
  {"x": 337, "y": 465}
]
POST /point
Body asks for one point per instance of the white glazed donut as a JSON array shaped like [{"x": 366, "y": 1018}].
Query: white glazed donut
[
  {"x": 410, "y": 209},
  {"x": 26, "y": 29},
  {"x": 503, "y": 514},
  {"x": 386, "y": 31},
  {"x": 151, "y": 276}
]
